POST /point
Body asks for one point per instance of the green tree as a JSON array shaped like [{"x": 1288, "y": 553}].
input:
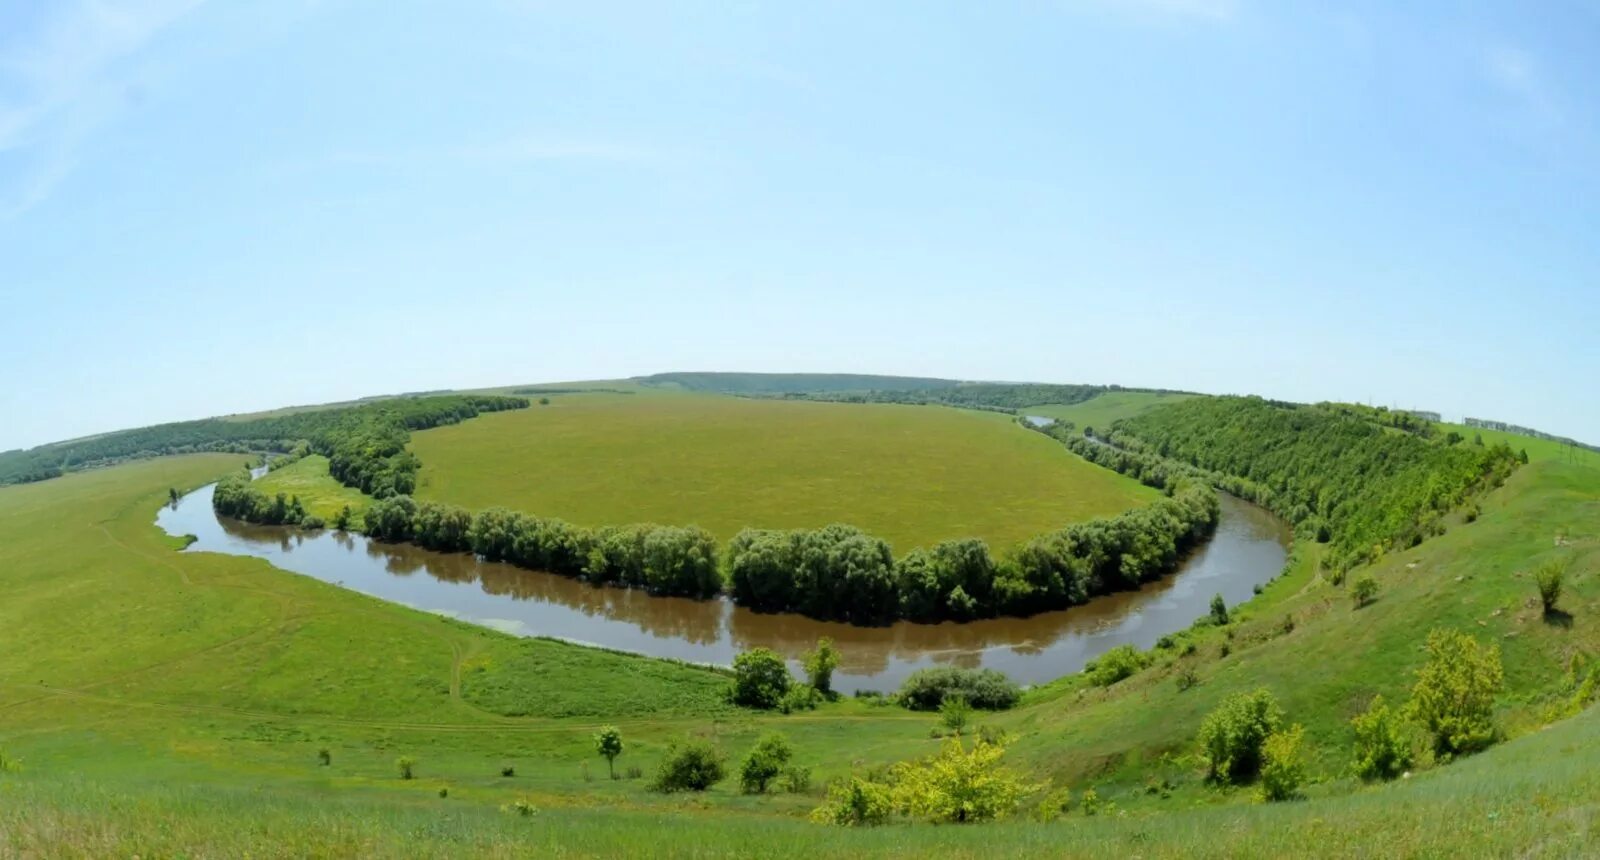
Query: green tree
[
  {"x": 760, "y": 679},
  {"x": 608, "y": 743},
  {"x": 1453, "y": 698},
  {"x": 1219, "y": 610},
  {"x": 764, "y": 763},
  {"x": 1381, "y": 750},
  {"x": 960, "y": 785},
  {"x": 1232, "y": 736},
  {"x": 955, "y": 712},
  {"x": 1363, "y": 590},
  {"x": 820, "y": 663},
  {"x": 1282, "y": 768}
]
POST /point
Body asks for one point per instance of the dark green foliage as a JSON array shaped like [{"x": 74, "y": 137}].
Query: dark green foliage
[
  {"x": 1219, "y": 610},
  {"x": 390, "y": 519},
  {"x": 760, "y": 679},
  {"x": 365, "y": 444},
  {"x": 1336, "y": 466},
  {"x": 1232, "y": 736},
  {"x": 442, "y": 527},
  {"x": 926, "y": 689},
  {"x": 835, "y": 572},
  {"x": 694, "y": 765}
]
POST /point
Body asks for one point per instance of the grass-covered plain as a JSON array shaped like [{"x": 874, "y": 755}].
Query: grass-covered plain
[
  {"x": 1100, "y": 411},
  {"x": 167, "y": 703},
  {"x": 308, "y": 479},
  {"x": 911, "y": 475}
]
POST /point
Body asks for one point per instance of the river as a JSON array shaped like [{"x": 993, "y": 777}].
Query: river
[{"x": 1248, "y": 549}]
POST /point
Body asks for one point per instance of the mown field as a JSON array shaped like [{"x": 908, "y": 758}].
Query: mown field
[
  {"x": 911, "y": 475},
  {"x": 1106, "y": 408},
  {"x": 167, "y": 703}
]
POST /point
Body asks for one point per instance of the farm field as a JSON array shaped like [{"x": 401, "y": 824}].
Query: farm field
[
  {"x": 226, "y": 677},
  {"x": 1102, "y": 410},
  {"x": 911, "y": 475}
]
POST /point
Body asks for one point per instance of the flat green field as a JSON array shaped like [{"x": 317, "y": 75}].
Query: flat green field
[
  {"x": 1538, "y": 449},
  {"x": 318, "y": 492},
  {"x": 1101, "y": 411},
  {"x": 173, "y": 704},
  {"x": 913, "y": 475}
]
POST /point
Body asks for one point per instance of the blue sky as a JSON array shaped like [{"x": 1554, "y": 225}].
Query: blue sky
[{"x": 217, "y": 207}]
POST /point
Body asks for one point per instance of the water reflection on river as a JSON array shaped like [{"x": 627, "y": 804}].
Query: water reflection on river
[{"x": 1248, "y": 549}]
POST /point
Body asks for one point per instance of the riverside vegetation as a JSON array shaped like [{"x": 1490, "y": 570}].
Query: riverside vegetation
[{"x": 180, "y": 759}]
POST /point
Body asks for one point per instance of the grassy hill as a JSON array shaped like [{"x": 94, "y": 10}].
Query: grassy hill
[
  {"x": 1102, "y": 410},
  {"x": 174, "y": 703},
  {"x": 912, "y": 475}
]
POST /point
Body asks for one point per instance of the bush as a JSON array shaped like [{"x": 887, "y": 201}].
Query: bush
[
  {"x": 1363, "y": 590},
  {"x": 820, "y": 663},
  {"x": 799, "y": 698},
  {"x": 1453, "y": 698},
  {"x": 955, "y": 712},
  {"x": 407, "y": 767},
  {"x": 324, "y": 757},
  {"x": 1056, "y": 803},
  {"x": 1282, "y": 770},
  {"x": 925, "y": 689},
  {"x": 763, "y": 764},
  {"x": 691, "y": 766},
  {"x": 1188, "y": 679},
  {"x": 521, "y": 807},
  {"x": 760, "y": 679},
  {"x": 1120, "y": 662},
  {"x": 312, "y": 523},
  {"x": 1219, "y": 610},
  {"x": 1549, "y": 577},
  {"x": 1232, "y": 736},
  {"x": 855, "y": 802},
  {"x": 796, "y": 779},
  {"x": 959, "y": 785},
  {"x": 1382, "y": 750}
]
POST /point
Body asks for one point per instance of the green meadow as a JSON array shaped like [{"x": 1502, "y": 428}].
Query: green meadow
[
  {"x": 913, "y": 475},
  {"x": 308, "y": 479},
  {"x": 1103, "y": 410}
]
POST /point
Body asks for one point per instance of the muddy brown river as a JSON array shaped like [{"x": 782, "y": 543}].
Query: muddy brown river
[{"x": 1248, "y": 549}]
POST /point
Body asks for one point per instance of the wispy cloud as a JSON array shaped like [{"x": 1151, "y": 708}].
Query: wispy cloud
[
  {"x": 65, "y": 81},
  {"x": 1213, "y": 10}
]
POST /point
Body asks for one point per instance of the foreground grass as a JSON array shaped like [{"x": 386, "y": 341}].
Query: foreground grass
[
  {"x": 912, "y": 475},
  {"x": 1106, "y": 408},
  {"x": 167, "y": 703}
]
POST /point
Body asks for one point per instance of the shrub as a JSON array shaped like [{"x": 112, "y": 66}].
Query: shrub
[
  {"x": 521, "y": 807},
  {"x": 1090, "y": 802},
  {"x": 1453, "y": 698},
  {"x": 444, "y": 792},
  {"x": 796, "y": 779},
  {"x": 1219, "y": 610},
  {"x": 764, "y": 762},
  {"x": 1381, "y": 751},
  {"x": 508, "y": 770},
  {"x": 760, "y": 678},
  {"x": 855, "y": 802},
  {"x": 1120, "y": 662},
  {"x": 407, "y": 767},
  {"x": 1232, "y": 736},
  {"x": 312, "y": 523},
  {"x": 1187, "y": 679},
  {"x": 1549, "y": 577},
  {"x": 1363, "y": 590},
  {"x": 691, "y": 766},
  {"x": 1053, "y": 805},
  {"x": 608, "y": 744},
  {"x": 959, "y": 785},
  {"x": 987, "y": 689},
  {"x": 324, "y": 757},
  {"x": 633, "y": 772},
  {"x": 954, "y": 712},
  {"x": 799, "y": 698},
  {"x": 820, "y": 663},
  {"x": 1282, "y": 770}
]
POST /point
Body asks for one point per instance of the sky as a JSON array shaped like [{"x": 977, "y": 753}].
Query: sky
[{"x": 209, "y": 208}]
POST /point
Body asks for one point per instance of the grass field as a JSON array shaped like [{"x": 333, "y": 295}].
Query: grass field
[
  {"x": 1100, "y": 411},
  {"x": 167, "y": 703},
  {"x": 1538, "y": 449},
  {"x": 319, "y": 493},
  {"x": 912, "y": 475}
]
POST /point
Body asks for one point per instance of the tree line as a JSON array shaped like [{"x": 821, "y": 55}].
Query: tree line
[
  {"x": 367, "y": 440},
  {"x": 1333, "y": 471}
]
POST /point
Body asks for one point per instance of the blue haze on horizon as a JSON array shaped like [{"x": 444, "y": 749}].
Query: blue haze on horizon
[{"x": 209, "y": 208}]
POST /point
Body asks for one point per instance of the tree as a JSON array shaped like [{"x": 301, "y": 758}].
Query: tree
[
  {"x": 1453, "y": 698},
  {"x": 608, "y": 743},
  {"x": 342, "y": 520},
  {"x": 544, "y": 401},
  {"x": 1219, "y": 610},
  {"x": 1549, "y": 577},
  {"x": 1232, "y": 736},
  {"x": 1381, "y": 751},
  {"x": 820, "y": 663},
  {"x": 959, "y": 785},
  {"x": 760, "y": 679},
  {"x": 1363, "y": 590},
  {"x": 764, "y": 762},
  {"x": 955, "y": 712},
  {"x": 1282, "y": 769},
  {"x": 690, "y": 766},
  {"x": 172, "y": 495}
]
